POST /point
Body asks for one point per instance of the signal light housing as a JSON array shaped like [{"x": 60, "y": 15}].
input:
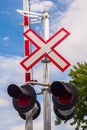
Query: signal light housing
[
  {"x": 64, "y": 98},
  {"x": 24, "y": 97}
]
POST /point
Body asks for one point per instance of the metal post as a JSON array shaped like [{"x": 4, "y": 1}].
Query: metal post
[
  {"x": 29, "y": 121},
  {"x": 47, "y": 106}
]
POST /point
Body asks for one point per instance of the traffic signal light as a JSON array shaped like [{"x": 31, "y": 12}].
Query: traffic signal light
[
  {"x": 24, "y": 99},
  {"x": 64, "y": 98}
]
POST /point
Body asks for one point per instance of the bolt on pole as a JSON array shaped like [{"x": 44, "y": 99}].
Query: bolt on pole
[{"x": 46, "y": 63}]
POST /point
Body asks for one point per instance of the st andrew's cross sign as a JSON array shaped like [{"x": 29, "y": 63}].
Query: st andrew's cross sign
[{"x": 45, "y": 48}]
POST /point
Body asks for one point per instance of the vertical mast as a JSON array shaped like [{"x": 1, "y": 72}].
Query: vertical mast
[{"x": 47, "y": 106}]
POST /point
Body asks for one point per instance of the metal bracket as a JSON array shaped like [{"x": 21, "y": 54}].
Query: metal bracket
[{"x": 34, "y": 17}]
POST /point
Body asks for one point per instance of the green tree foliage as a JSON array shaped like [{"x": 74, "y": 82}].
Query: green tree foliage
[{"x": 79, "y": 79}]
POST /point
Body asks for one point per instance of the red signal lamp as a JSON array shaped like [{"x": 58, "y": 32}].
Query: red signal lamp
[
  {"x": 24, "y": 97},
  {"x": 64, "y": 97}
]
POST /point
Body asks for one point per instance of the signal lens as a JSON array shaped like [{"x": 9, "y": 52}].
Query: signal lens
[
  {"x": 65, "y": 99},
  {"x": 24, "y": 102}
]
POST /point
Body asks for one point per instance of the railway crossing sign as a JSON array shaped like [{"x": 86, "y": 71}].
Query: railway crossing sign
[{"x": 45, "y": 48}]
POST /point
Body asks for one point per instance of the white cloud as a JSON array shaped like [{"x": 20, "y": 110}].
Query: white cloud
[
  {"x": 20, "y": 127},
  {"x": 3, "y": 102},
  {"x": 65, "y": 1},
  {"x": 40, "y": 6},
  {"x": 10, "y": 70},
  {"x": 5, "y": 38},
  {"x": 74, "y": 48}
]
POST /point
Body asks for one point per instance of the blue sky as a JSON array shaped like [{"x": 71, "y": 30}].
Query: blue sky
[
  {"x": 9, "y": 20},
  {"x": 70, "y": 14}
]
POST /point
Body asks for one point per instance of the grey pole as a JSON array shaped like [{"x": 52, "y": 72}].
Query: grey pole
[
  {"x": 46, "y": 92},
  {"x": 29, "y": 121}
]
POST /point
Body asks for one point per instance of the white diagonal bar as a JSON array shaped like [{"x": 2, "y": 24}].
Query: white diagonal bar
[
  {"x": 56, "y": 38},
  {"x": 34, "y": 58},
  {"x": 59, "y": 60},
  {"x": 34, "y": 38}
]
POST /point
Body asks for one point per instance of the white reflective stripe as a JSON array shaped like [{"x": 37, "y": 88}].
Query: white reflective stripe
[
  {"x": 29, "y": 120},
  {"x": 35, "y": 109},
  {"x": 32, "y": 112},
  {"x": 66, "y": 112},
  {"x": 28, "y": 114}
]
